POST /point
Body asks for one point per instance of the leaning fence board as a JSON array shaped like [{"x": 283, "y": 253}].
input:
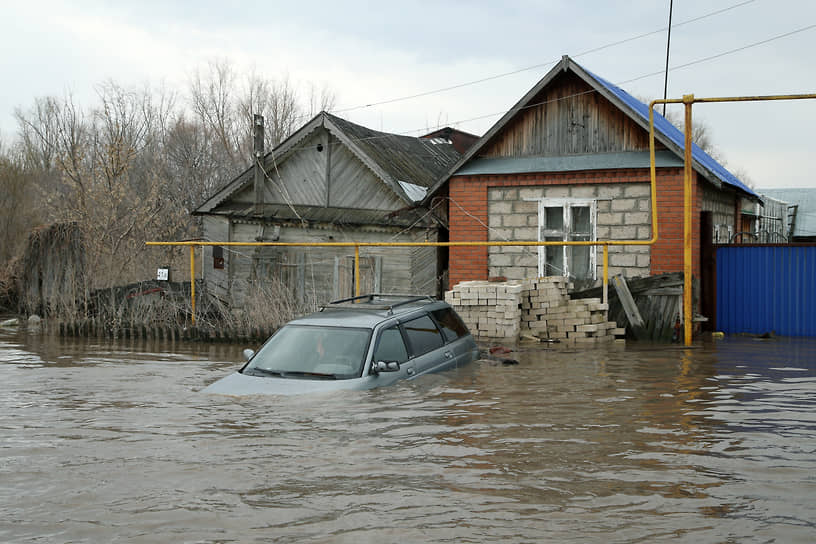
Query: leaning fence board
[{"x": 629, "y": 306}]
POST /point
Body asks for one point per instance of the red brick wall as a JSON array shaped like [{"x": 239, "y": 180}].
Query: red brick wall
[
  {"x": 667, "y": 252},
  {"x": 468, "y": 215}
]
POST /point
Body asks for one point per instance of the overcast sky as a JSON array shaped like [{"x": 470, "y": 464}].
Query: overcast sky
[{"x": 371, "y": 52}]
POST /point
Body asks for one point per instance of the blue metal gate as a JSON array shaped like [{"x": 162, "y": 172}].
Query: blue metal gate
[{"x": 767, "y": 288}]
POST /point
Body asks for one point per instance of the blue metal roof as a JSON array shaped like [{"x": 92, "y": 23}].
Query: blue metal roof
[{"x": 664, "y": 127}]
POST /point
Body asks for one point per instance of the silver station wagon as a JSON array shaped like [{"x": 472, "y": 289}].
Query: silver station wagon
[{"x": 356, "y": 343}]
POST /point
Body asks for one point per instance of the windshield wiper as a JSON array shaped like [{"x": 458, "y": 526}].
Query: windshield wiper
[
  {"x": 309, "y": 374},
  {"x": 258, "y": 370},
  {"x": 290, "y": 373}
]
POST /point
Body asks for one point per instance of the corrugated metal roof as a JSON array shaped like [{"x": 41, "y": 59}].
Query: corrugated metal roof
[
  {"x": 806, "y": 212},
  {"x": 674, "y": 134},
  {"x": 570, "y": 163},
  {"x": 419, "y": 161}
]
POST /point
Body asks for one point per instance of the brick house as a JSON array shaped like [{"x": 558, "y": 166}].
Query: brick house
[{"x": 570, "y": 161}]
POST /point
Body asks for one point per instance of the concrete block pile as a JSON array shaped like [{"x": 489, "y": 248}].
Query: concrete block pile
[
  {"x": 549, "y": 313},
  {"x": 539, "y": 307},
  {"x": 491, "y": 310}
]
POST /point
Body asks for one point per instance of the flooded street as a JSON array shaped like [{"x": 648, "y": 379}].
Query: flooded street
[{"x": 111, "y": 442}]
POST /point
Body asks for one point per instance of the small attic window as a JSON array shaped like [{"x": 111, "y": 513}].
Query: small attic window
[{"x": 439, "y": 141}]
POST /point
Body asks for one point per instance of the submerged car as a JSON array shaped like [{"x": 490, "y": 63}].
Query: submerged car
[{"x": 355, "y": 343}]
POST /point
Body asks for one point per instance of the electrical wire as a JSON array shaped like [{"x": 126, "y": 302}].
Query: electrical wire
[
  {"x": 539, "y": 65},
  {"x": 619, "y": 84}
]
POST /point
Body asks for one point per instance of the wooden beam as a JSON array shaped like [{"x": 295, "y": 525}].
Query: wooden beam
[
  {"x": 628, "y": 303},
  {"x": 258, "y": 157}
]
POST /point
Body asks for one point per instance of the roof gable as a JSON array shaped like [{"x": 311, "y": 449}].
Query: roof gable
[
  {"x": 405, "y": 164},
  {"x": 638, "y": 112}
]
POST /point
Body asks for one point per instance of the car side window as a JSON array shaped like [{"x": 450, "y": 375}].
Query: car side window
[
  {"x": 391, "y": 346},
  {"x": 450, "y": 323},
  {"x": 423, "y": 336}
]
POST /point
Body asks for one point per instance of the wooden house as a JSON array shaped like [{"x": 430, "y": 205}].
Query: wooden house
[
  {"x": 330, "y": 181},
  {"x": 570, "y": 161}
]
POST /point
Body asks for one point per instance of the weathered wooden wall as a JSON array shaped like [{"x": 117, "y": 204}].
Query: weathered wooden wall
[
  {"x": 216, "y": 229},
  {"x": 568, "y": 118},
  {"x": 332, "y": 177},
  {"x": 318, "y": 274}
]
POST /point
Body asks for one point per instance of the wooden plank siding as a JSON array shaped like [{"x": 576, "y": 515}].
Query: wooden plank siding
[
  {"x": 304, "y": 182},
  {"x": 318, "y": 274},
  {"x": 217, "y": 228},
  {"x": 568, "y": 118},
  {"x": 332, "y": 181}
]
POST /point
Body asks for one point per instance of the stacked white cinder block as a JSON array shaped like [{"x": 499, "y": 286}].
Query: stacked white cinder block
[
  {"x": 490, "y": 310},
  {"x": 539, "y": 307},
  {"x": 549, "y": 313}
]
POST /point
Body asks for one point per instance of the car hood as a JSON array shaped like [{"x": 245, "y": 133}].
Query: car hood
[{"x": 242, "y": 384}]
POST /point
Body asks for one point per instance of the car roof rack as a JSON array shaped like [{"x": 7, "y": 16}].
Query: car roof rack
[{"x": 369, "y": 302}]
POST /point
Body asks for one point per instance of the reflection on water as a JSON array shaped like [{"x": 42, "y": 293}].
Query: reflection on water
[{"x": 111, "y": 441}]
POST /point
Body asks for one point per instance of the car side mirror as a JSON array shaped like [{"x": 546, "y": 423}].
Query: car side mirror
[
  {"x": 385, "y": 366},
  {"x": 248, "y": 353}
]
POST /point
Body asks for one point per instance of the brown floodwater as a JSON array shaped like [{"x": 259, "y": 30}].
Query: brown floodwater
[{"x": 104, "y": 441}]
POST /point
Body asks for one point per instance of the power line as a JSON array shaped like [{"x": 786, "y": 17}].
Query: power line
[
  {"x": 638, "y": 78},
  {"x": 644, "y": 76},
  {"x": 543, "y": 64}
]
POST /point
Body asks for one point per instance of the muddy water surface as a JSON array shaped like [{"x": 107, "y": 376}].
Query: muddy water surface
[{"x": 112, "y": 442}]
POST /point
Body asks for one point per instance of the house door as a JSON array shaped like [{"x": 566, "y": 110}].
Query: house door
[{"x": 345, "y": 282}]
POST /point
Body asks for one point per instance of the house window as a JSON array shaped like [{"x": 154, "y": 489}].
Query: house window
[{"x": 567, "y": 220}]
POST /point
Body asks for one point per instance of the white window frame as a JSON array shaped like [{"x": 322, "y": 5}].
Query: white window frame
[{"x": 567, "y": 204}]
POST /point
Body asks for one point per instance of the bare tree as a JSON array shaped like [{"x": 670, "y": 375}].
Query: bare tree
[
  {"x": 225, "y": 104},
  {"x": 18, "y": 201},
  {"x": 213, "y": 102},
  {"x": 131, "y": 167},
  {"x": 321, "y": 98}
]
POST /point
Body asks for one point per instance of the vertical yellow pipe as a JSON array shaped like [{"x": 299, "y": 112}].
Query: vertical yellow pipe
[
  {"x": 606, "y": 273},
  {"x": 357, "y": 271},
  {"x": 192, "y": 281},
  {"x": 688, "y": 100},
  {"x": 653, "y": 171}
]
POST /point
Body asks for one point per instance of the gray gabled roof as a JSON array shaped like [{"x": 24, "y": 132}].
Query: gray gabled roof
[
  {"x": 665, "y": 133},
  {"x": 406, "y": 164}
]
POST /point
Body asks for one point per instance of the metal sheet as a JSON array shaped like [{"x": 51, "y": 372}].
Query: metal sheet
[
  {"x": 762, "y": 289},
  {"x": 663, "y": 126}
]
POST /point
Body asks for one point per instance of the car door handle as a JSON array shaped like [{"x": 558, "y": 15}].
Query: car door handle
[
  {"x": 448, "y": 355},
  {"x": 410, "y": 370}
]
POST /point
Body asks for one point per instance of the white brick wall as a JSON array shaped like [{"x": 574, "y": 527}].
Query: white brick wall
[{"x": 539, "y": 307}]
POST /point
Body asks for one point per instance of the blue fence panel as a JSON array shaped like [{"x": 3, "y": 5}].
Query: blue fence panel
[{"x": 767, "y": 289}]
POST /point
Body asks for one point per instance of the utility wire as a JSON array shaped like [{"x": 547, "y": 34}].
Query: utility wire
[
  {"x": 540, "y": 65},
  {"x": 619, "y": 84},
  {"x": 668, "y": 48},
  {"x": 680, "y": 66}
]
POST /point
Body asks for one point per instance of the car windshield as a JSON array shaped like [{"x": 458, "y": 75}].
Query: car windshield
[{"x": 300, "y": 351}]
